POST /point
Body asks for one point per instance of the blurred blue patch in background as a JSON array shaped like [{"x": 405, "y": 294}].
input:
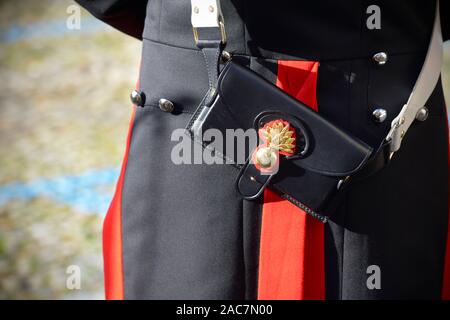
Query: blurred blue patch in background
[
  {"x": 46, "y": 29},
  {"x": 83, "y": 192}
]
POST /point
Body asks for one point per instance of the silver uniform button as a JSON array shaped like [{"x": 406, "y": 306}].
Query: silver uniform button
[
  {"x": 225, "y": 56},
  {"x": 379, "y": 115},
  {"x": 422, "y": 114},
  {"x": 380, "y": 58},
  {"x": 166, "y": 105},
  {"x": 137, "y": 98}
]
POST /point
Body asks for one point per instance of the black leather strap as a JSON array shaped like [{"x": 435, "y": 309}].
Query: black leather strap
[
  {"x": 209, "y": 40},
  {"x": 379, "y": 160},
  {"x": 211, "y": 53}
]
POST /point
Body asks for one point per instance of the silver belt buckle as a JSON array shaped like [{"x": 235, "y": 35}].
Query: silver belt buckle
[{"x": 222, "y": 33}]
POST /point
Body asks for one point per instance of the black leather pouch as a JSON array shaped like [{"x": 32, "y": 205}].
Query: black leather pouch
[{"x": 312, "y": 175}]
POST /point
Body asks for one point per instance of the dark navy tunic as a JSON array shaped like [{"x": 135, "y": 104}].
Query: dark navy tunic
[{"x": 185, "y": 232}]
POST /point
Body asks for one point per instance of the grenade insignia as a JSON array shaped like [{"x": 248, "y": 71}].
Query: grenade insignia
[{"x": 278, "y": 137}]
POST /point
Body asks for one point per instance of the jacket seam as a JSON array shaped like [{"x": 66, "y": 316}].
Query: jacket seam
[{"x": 416, "y": 52}]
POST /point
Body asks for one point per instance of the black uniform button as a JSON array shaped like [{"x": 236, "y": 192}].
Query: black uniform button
[
  {"x": 137, "y": 98},
  {"x": 166, "y": 105},
  {"x": 380, "y": 58}
]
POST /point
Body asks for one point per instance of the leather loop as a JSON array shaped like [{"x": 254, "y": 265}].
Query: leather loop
[
  {"x": 250, "y": 182},
  {"x": 211, "y": 53}
]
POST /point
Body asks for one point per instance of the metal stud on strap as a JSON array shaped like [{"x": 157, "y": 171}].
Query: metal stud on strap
[{"x": 205, "y": 13}]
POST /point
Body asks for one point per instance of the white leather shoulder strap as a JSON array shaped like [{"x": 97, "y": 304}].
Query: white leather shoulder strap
[
  {"x": 205, "y": 13},
  {"x": 423, "y": 88}
]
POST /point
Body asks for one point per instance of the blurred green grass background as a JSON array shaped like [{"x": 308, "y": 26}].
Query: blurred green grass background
[{"x": 64, "y": 109}]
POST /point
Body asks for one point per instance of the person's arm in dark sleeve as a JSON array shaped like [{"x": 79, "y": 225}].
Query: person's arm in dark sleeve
[
  {"x": 124, "y": 15},
  {"x": 445, "y": 18}
]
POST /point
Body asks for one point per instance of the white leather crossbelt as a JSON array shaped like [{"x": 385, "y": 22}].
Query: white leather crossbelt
[{"x": 423, "y": 88}]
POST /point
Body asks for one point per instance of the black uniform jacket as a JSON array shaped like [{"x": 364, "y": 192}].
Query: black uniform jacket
[{"x": 183, "y": 231}]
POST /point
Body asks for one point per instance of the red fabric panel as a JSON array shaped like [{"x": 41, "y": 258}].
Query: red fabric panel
[
  {"x": 446, "y": 280},
  {"x": 299, "y": 79},
  {"x": 292, "y": 262},
  {"x": 112, "y": 235}
]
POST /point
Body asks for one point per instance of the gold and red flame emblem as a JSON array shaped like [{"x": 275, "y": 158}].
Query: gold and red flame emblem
[{"x": 279, "y": 138}]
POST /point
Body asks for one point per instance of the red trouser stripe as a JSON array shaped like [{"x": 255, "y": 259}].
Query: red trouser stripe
[
  {"x": 292, "y": 262},
  {"x": 112, "y": 235}
]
